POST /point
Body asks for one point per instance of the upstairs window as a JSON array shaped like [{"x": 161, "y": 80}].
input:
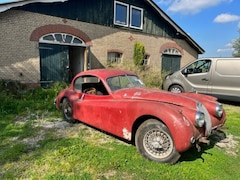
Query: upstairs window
[
  {"x": 128, "y": 15},
  {"x": 136, "y": 17},
  {"x": 121, "y": 14}
]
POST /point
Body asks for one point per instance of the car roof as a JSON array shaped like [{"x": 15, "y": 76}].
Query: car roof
[{"x": 105, "y": 73}]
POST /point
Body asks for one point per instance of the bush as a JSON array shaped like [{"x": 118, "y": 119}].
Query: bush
[{"x": 139, "y": 52}]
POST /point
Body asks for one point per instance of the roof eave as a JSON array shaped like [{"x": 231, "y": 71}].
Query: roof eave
[{"x": 177, "y": 28}]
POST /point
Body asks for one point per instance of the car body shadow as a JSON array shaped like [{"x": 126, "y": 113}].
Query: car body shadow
[{"x": 193, "y": 154}]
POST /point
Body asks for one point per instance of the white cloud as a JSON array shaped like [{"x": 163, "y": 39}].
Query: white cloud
[
  {"x": 225, "y": 18},
  {"x": 228, "y": 48},
  {"x": 239, "y": 25},
  {"x": 164, "y": 2},
  {"x": 193, "y": 6},
  {"x": 225, "y": 50}
]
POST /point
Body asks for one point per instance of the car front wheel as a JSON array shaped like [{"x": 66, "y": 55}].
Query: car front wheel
[
  {"x": 67, "y": 111},
  {"x": 154, "y": 142}
]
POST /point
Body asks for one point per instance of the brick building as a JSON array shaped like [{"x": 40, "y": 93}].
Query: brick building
[{"x": 52, "y": 40}]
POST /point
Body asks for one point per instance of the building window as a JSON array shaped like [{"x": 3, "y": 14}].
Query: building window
[
  {"x": 146, "y": 59},
  {"x": 136, "y": 18},
  {"x": 171, "y": 51},
  {"x": 61, "y": 38},
  {"x": 123, "y": 13},
  {"x": 114, "y": 57}
]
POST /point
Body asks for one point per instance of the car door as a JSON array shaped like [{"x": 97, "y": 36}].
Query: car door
[
  {"x": 103, "y": 112},
  {"x": 198, "y": 75},
  {"x": 99, "y": 110}
]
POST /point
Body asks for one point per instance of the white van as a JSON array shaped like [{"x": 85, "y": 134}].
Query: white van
[{"x": 219, "y": 77}]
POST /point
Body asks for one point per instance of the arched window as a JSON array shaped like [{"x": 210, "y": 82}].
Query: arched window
[
  {"x": 62, "y": 38},
  {"x": 172, "y": 51}
]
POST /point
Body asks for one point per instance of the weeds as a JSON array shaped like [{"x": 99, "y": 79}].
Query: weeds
[{"x": 33, "y": 146}]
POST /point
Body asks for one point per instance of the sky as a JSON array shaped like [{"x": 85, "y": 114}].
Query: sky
[{"x": 212, "y": 24}]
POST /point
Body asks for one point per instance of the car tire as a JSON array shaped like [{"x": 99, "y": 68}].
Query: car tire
[
  {"x": 67, "y": 111},
  {"x": 176, "y": 89},
  {"x": 154, "y": 142}
]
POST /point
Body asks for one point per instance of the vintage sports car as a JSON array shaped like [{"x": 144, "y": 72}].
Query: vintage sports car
[{"x": 161, "y": 124}]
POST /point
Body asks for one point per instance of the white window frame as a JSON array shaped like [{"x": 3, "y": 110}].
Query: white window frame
[
  {"x": 141, "y": 11},
  {"x": 127, "y": 14},
  {"x": 112, "y": 57}
]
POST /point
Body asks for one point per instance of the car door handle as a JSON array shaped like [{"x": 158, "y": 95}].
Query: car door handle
[{"x": 204, "y": 79}]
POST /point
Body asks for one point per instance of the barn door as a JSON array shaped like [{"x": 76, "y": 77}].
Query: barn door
[
  {"x": 54, "y": 63},
  {"x": 170, "y": 63}
]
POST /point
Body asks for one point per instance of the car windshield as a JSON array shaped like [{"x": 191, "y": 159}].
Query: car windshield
[{"x": 124, "y": 81}]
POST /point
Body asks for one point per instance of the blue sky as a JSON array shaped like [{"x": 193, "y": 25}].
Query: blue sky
[{"x": 213, "y": 24}]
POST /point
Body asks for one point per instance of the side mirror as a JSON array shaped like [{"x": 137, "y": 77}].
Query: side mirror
[{"x": 185, "y": 72}]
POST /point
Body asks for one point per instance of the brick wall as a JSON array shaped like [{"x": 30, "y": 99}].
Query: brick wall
[{"x": 19, "y": 56}]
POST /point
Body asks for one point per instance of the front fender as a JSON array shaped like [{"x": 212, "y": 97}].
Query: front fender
[{"x": 182, "y": 130}]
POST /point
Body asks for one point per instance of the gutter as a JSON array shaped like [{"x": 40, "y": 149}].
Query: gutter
[{"x": 9, "y": 5}]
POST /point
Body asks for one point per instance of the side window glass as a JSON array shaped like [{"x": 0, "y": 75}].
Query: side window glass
[
  {"x": 201, "y": 66},
  {"x": 90, "y": 85}
]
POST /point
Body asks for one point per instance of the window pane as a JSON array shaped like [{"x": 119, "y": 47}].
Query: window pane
[
  {"x": 136, "y": 17},
  {"x": 121, "y": 12}
]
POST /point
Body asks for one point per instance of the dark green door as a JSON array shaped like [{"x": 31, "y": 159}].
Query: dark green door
[
  {"x": 54, "y": 63},
  {"x": 170, "y": 63}
]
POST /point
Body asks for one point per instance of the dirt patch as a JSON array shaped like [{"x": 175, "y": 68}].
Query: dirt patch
[
  {"x": 229, "y": 144},
  {"x": 63, "y": 129}
]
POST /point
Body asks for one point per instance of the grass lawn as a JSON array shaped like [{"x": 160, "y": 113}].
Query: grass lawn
[{"x": 35, "y": 143}]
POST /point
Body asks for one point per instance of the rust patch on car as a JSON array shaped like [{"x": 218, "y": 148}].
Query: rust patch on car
[{"x": 127, "y": 134}]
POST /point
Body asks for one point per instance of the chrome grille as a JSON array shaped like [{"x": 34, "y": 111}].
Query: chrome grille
[{"x": 208, "y": 122}]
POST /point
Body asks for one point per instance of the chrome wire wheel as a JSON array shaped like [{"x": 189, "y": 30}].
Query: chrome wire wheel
[
  {"x": 157, "y": 143},
  {"x": 154, "y": 142}
]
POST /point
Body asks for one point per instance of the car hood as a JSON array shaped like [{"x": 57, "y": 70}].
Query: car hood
[{"x": 157, "y": 95}]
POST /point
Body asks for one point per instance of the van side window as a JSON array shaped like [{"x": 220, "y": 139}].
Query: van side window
[{"x": 201, "y": 66}]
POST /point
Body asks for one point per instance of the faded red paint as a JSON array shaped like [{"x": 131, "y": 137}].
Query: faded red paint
[{"x": 117, "y": 112}]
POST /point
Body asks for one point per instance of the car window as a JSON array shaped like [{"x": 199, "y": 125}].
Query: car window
[
  {"x": 201, "y": 66},
  {"x": 90, "y": 85},
  {"x": 124, "y": 81}
]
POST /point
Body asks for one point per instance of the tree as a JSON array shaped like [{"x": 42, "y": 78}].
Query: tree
[
  {"x": 139, "y": 52},
  {"x": 236, "y": 47}
]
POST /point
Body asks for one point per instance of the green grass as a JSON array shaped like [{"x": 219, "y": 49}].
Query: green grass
[{"x": 80, "y": 152}]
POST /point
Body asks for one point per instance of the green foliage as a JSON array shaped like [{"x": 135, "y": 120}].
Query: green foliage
[
  {"x": 81, "y": 152},
  {"x": 139, "y": 52},
  {"x": 236, "y": 46}
]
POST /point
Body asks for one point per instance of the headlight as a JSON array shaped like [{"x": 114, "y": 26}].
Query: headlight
[
  {"x": 219, "y": 110},
  {"x": 200, "y": 119}
]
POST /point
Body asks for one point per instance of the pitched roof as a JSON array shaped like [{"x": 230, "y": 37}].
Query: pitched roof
[{"x": 180, "y": 31}]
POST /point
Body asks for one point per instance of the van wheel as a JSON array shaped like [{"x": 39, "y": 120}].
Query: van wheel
[{"x": 176, "y": 89}]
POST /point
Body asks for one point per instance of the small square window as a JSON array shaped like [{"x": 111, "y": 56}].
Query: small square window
[
  {"x": 121, "y": 11},
  {"x": 146, "y": 59},
  {"x": 136, "y": 17},
  {"x": 114, "y": 57}
]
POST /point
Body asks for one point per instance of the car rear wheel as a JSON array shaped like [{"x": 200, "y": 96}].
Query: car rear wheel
[
  {"x": 67, "y": 111},
  {"x": 154, "y": 142},
  {"x": 176, "y": 89}
]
